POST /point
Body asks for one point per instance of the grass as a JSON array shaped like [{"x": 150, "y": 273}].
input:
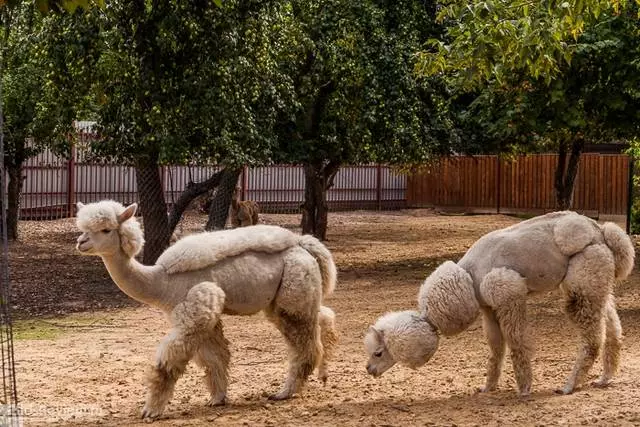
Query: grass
[{"x": 51, "y": 329}]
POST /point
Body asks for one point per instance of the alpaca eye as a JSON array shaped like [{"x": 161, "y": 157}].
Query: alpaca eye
[
  {"x": 106, "y": 231},
  {"x": 377, "y": 354}
]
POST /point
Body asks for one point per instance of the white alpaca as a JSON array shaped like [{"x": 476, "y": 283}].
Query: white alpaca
[
  {"x": 241, "y": 271},
  {"x": 558, "y": 250}
]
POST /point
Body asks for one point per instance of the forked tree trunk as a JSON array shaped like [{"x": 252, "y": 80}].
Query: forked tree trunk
[
  {"x": 153, "y": 209},
  {"x": 565, "y": 175},
  {"x": 219, "y": 209},
  {"x": 318, "y": 179}
]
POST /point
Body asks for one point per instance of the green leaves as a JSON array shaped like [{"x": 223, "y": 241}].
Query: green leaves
[
  {"x": 358, "y": 98},
  {"x": 486, "y": 40},
  {"x": 46, "y": 6}
]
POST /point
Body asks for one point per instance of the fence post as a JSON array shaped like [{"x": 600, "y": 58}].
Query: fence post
[
  {"x": 630, "y": 194},
  {"x": 379, "y": 187},
  {"x": 498, "y": 181},
  {"x": 71, "y": 182},
  {"x": 243, "y": 179}
]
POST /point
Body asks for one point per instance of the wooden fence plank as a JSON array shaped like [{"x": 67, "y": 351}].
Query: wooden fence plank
[{"x": 525, "y": 185}]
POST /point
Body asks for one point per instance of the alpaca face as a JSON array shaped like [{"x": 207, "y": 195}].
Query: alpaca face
[
  {"x": 104, "y": 226},
  {"x": 380, "y": 359},
  {"x": 101, "y": 242},
  {"x": 403, "y": 337}
]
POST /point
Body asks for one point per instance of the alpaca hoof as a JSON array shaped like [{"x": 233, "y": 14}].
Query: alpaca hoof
[
  {"x": 149, "y": 414},
  {"x": 280, "y": 396},
  {"x": 564, "y": 391},
  {"x": 602, "y": 383},
  {"x": 217, "y": 401},
  {"x": 524, "y": 394},
  {"x": 485, "y": 389}
]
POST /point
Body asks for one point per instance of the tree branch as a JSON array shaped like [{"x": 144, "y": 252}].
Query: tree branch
[{"x": 191, "y": 191}]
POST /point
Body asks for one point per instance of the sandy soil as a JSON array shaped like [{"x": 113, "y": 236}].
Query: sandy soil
[{"x": 90, "y": 370}]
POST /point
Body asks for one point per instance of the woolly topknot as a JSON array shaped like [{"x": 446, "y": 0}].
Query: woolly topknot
[
  {"x": 409, "y": 339},
  {"x": 106, "y": 214}
]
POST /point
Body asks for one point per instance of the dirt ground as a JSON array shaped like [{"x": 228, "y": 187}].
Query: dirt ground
[{"x": 87, "y": 368}]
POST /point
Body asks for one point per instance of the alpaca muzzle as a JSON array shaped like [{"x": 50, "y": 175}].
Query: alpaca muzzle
[
  {"x": 372, "y": 371},
  {"x": 81, "y": 245}
]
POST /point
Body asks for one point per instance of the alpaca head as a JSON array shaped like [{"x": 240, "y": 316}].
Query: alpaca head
[
  {"x": 107, "y": 227},
  {"x": 400, "y": 337}
]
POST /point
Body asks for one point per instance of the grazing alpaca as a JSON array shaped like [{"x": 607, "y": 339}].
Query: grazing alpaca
[
  {"x": 561, "y": 249},
  {"x": 243, "y": 213},
  {"x": 243, "y": 271}
]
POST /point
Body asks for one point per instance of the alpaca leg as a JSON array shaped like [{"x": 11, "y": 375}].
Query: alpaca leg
[
  {"x": 496, "y": 347},
  {"x": 305, "y": 350},
  {"x": 295, "y": 313},
  {"x": 214, "y": 356},
  {"x": 329, "y": 339},
  {"x": 612, "y": 344},
  {"x": 193, "y": 321},
  {"x": 174, "y": 352},
  {"x": 505, "y": 291},
  {"x": 513, "y": 322},
  {"x": 587, "y": 285}
]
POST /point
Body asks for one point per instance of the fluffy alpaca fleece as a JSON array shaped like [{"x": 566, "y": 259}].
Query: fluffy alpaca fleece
[
  {"x": 243, "y": 212},
  {"x": 562, "y": 250},
  {"x": 201, "y": 277}
]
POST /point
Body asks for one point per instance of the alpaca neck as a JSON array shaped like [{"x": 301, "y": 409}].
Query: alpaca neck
[{"x": 143, "y": 283}]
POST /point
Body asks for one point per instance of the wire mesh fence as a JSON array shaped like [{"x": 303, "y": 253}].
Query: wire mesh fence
[{"x": 9, "y": 412}]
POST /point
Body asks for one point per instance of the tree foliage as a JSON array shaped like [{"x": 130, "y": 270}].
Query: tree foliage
[
  {"x": 357, "y": 98},
  {"x": 569, "y": 79},
  {"x": 41, "y": 90},
  {"x": 493, "y": 40},
  {"x": 183, "y": 82}
]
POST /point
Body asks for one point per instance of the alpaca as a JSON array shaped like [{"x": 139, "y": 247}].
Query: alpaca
[
  {"x": 239, "y": 272},
  {"x": 562, "y": 250},
  {"x": 243, "y": 213}
]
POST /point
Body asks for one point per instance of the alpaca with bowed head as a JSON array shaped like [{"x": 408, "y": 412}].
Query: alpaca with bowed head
[
  {"x": 562, "y": 250},
  {"x": 239, "y": 272}
]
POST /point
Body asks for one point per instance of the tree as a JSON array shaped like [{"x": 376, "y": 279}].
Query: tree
[
  {"x": 356, "y": 96},
  {"x": 548, "y": 94},
  {"x": 183, "y": 82},
  {"x": 40, "y": 91}
]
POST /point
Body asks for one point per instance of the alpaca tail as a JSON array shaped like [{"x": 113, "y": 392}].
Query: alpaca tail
[
  {"x": 325, "y": 260},
  {"x": 620, "y": 244}
]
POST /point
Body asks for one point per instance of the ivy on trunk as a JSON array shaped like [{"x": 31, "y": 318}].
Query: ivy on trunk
[
  {"x": 219, "y": 208},
  {"x": 153, "y": 209},
  {"x": 318, "y": 179},
  {"x": 565, "y": 175}
]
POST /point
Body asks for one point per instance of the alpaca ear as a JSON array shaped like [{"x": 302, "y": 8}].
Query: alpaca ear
[
  {"x": 128, "y": 213},
  {"x": 378, "y": 334},
  {"x": 79, "y": 205}
]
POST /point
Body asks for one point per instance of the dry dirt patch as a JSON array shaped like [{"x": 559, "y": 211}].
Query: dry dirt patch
[{"x": 90, "y": 369}]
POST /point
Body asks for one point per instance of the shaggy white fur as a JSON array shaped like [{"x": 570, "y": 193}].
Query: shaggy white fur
[
  {"x": 562, "y": 250},
  {"x": 241, "y": 271}
]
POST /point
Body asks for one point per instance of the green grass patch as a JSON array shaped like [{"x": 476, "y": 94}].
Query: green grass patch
[{"x": 53, "y": 328}]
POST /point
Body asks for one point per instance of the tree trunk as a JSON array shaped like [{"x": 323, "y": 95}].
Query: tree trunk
[
  {"x": 318, "y": 179},
  {"x": 154, "y": 210},
  {"x": 565, "y": 175},
  {"x": 191, "y": 192},
  {"x": 14, "y": 189},
  {"x": 219, "y": 209}
]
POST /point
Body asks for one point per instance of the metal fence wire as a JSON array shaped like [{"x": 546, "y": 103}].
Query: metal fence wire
[{"x": 9, "y": 415}]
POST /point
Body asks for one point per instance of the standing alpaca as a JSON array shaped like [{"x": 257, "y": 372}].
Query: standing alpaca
[
  {"x": 204, "y": 275},
  {"x": 558, "y": 250},
  {"x": 243, "y": 213}
]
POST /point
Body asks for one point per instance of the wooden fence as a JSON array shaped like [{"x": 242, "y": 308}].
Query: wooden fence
[{"x": 487, "y": 184}]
